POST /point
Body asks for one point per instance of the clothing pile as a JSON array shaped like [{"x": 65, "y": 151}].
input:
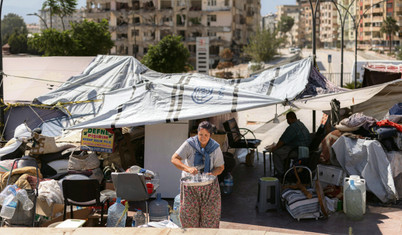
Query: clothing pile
[{"x": 362, "y": 145}]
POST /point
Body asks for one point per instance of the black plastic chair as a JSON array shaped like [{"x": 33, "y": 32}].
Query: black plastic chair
[
  {"x": 84, "y": 193},
  {"x": 236, "y": 136}
]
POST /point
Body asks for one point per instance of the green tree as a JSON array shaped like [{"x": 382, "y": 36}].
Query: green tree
[
  {"x": 389, "y": 27},
  {"x": 52, "y": 42},
  {"x": 92, "y": 38},
  {"x": 263, "y": 46},
  {"x": 168, "y": 56},
  {"x": 285, "y": 25},
  {"x": 18, "y": 43},
  {"x": 12, "y": 23},
  {"x": 84, "y": 39},
  {"x": 52, "y": 7},
  {"x": 66, "y": 8},
  {"x": 398, "y": 53},
  {"x": 227, "y": 56}
]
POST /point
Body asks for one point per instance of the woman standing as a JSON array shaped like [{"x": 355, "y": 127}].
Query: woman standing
[{"x": 200, "y": 206}]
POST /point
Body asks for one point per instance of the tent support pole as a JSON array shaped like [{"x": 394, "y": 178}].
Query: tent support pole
[{"x": 313, "y": 121}]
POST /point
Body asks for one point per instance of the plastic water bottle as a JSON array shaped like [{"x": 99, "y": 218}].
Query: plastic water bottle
[
  {"x": 114, "y": 213},
  {"x": 176, "y": 204},
  {"x": 158, "y": 209},
  {"x": 354, "y": 203},
  {"x": 139, "y": 219},
  {"x": 228, "y": 184},
  {"x": 10, "y": 189},
  {"x": 147, "y": 173},
  {"x": 9, "y": 207},
  {"x": 175, "y": 215},
  {"x": 22, "y": 196}
]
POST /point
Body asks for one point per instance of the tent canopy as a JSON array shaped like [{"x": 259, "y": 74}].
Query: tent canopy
[{"x": 116, "y": 91}]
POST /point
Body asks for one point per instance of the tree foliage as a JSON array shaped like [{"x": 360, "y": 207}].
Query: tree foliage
[
  {"x": 67, "y": 8},
  {"x": 263, "y": 46},
  {"x": 61, "y": 8},
  {"x": 52, "y": 7},
  {"x": 12, "y": 23},
  {"x": 92, "y": 38},
  {"x": 285, "y": 24},
  {"x": 18, "y": 43},
  {"x": 168, "y": 56},
  {"x": 227, "y": 56},
  {"x": 84, "y": 39},
  {"x": 389, "y": 27},
  {"x": 52, "y": 42}
]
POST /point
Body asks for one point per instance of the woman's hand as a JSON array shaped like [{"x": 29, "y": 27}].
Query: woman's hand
[{"x": 192, "y": 170}]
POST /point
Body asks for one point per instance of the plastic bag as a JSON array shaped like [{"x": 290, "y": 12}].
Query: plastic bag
[{"x": 83, "y": 162}]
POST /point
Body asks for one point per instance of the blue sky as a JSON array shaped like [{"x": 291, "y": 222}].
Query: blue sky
[{"x": 24, "y": 7}]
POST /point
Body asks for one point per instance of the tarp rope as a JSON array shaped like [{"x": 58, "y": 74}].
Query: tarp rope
[
  {"x": 36, "y": 114},
  {"x": 61, "y": 82}
]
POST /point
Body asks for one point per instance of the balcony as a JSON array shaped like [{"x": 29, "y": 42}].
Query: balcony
[
  {"x": 214, "y": 8},
  {"x": 97, "y": 14}
]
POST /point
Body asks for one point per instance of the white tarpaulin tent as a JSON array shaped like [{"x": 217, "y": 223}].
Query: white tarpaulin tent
[
  {"x": 373, "y": 101},
  {"x": 120, "y": 91}
]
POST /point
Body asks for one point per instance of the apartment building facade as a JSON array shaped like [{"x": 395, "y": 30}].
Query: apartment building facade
[
  {"x": 366, "y": 16},
  {"x": 137, "y": 24},
  {"x": 328, "y": 25},
  {"x": 268, "y": 22},
  {"x": 293, "y": 36},
  {"x": 372, "y": 14}
]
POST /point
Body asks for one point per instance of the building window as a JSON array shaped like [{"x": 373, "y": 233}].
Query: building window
[
  {"x": 135, "y": 33},
  {"x": 211, "y": 34},
  {"x": 192, "y": 48},
  {"x": 226, "y": 3},
  {"x": 211, "y": 2},
  {"x": 145, "y": 50},
  {"x": 214, "y": 50},
  {"x": 136, "y": 20},
  {"x": 180, "y": 20},
  {"x": 212, "y": 18}
]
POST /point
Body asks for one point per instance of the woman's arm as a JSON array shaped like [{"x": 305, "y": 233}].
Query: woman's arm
[
  {"x": 176, "y": 160},
  {"x": 217, "y": 170}
]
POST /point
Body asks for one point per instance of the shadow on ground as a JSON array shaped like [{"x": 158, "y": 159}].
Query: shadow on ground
[{"x": 239, "y": 211}]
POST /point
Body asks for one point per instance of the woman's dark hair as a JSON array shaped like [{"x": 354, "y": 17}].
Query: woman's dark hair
[{"x": 207, "y": 126}]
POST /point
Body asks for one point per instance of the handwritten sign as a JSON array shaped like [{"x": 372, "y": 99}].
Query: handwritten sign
[{"x": 97, "y": 139}]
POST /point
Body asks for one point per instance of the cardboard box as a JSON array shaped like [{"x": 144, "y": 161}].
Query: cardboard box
[
  {"x": 43, "y": 208},
  {"x": 78, "y": 214},
  {"x": 331, "y": 174}
]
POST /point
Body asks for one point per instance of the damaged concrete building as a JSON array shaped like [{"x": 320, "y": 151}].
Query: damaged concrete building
[{"x": 137, "y": 24}]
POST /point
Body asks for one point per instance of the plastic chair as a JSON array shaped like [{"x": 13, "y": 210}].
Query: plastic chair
[
  {"x": 85, "y": 193},
  {"x": 237, "y": 139},
  {"x": 131, "y": 186}
]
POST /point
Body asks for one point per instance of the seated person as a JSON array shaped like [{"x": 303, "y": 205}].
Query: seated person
[{"x": 296, "y": 134}]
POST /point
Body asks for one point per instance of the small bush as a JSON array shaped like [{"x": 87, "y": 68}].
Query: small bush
[
  {"x": 255, "y": 67},
  {"x": 351, "y": 85},
  {"x": 226, "y": 75}
]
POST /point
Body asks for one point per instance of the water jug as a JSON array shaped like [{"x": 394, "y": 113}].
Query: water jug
[
  {"x": 353, "y": 201},
  {"x": 114, "y": 213},
  {"x": 228, "y": 184},
  {"x": 360, "y": 184},
  {"x": 158, "y": 209}
]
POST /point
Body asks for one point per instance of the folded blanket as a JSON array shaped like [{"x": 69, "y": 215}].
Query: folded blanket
[{"x": 299, "y": 205}]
